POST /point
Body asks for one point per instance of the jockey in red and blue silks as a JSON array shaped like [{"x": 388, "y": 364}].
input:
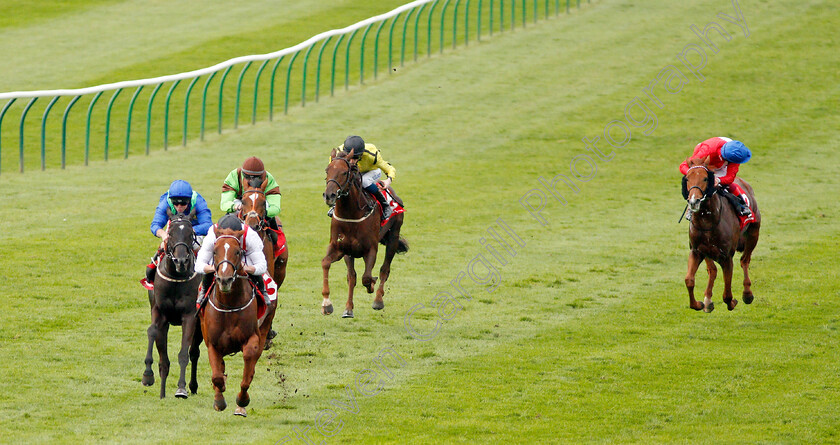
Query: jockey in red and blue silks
[
  {"x": 725, "y": 157},
  {"x": 180, "y": 198}
]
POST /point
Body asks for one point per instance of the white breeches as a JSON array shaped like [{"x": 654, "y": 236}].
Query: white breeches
[{"x": 371, "y": 177}]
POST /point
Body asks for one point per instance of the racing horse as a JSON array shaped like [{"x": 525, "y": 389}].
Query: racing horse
[
  {"x": 715, "y": 234},
  {"x": 355, "y": 232},
  {"x": 229, "y": 321},
  {"x": 172, "y": 302},
  {"x": 253, "y": 213}
]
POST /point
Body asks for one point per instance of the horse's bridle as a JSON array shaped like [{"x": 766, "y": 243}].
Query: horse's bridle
[
  {"x": 236, "y": 267},
  {"x": 169, "y": 249},
  {"x": 253, "y": 213},
  {"x": 342, "y": 191},
  {"x": 710, "y": 189}
]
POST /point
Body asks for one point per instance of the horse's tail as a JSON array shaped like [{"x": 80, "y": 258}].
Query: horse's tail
[{"x": 402, "y": 245}]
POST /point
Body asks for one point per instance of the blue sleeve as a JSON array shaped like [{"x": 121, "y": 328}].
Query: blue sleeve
[
  {"x": 203, "y": 216},
  {"x": 161, "y": 218}
]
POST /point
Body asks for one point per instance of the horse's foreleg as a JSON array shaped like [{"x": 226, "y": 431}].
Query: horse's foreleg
[
  {"x": 187, "y": 331},
  {"x": 694, "y": 259},
  {"x": 250, "y": 353},
  {"x": 727, "y": 283},
  {"x": 332, "y": 256},
  {"x": 195, "y": 352},
  {"x": 351, "y": 285},
  {"x": 707, "y": 297},
  {"x": 749, "y": 245},
  {"x": 163, "y": 356},
  {"x": 152, "y": 333},
  {"x": 367, "y": 278},
  {"x": 217, "y": 377},
  {"x": 385, "y": 270}
]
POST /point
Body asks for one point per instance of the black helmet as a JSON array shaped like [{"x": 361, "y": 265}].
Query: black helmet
[
  {"x": 354, "y": 144},
  {"x": 230, "y": 221}
]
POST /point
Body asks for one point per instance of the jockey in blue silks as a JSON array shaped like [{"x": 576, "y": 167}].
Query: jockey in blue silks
[{"x": 180, "y": 198}]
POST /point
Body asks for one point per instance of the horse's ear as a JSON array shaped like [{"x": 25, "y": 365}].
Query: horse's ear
[
  {"x": 706, "y": 161},
  {"x": 216, "y": 230},
  {"x": 334, "y": 153},
  {"x": 168, "y": 213},
  {"x": 192, "y": 214},
  {"x": 264, "y": 184}
]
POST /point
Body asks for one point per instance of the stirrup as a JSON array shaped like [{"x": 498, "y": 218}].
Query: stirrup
[
  {"x": 688, "y": 214},
  {"x": 331, "y": 211}
]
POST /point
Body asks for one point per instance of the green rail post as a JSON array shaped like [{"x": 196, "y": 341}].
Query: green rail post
[
  {"x": 238, "y": 94},
  {"x": 318, "y": 69},
  {"x": 87, "y": 128},
  {"x": 362, "y": 55},
  {"x": 467, "y": 22},
  {"x": 44, "y": 133},
  {"x": 128, "y": 121},
  {"x": 3, "y": 114},
  {"x": 108, "y": 120},
  {"x": 221, "y": 92},
  {"x": 556, "y": 8},
  {"x": 512, "y": 14},
  {"x": 491, "y": 18},
  {"x": 455, "y": 24},
  {"x": 288, "y": 78},
  {"x": 429, "y": 30},
  {"x": 567, "y": 6},
  {"x": 405, "y": 29},
  {"x": 305, "y": 64},
  {"x": 332, "y": 74},
  {"x": 271, "y": 89},
  {"x": 524, "y": 14},
  {"x": 416, "y": 28},
  {"x": 166, "y": 114},
  {"x": 149, "y": 116},
  {"x": 204, "y": 101},
  {"x": 391, "y": 43},
  {"x": 256, "y": 90},
  {"x": 578, "y": 4},
  {"x": 442, "y": 19},
  {"x": 376, "y": 49},
  {"x": 347, "y": 60},
  {"x": 187, "y": 108},
  {"x": 502, "y": 15},
  {"x": 23, "y": 118},
  {"x": 64, "y": 131}
]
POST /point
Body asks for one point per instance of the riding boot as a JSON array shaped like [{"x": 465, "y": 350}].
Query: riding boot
[
  {"x": 260, "y": 284},
  {"x": 150, "y": 271},
  {"x": 744, "y": 209},
  {"x": 739, "y": 206},
  {"x": 380, "y": 196},
  {"x": 206, "y": 282}
]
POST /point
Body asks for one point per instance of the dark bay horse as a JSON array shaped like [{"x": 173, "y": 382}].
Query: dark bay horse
[
  {"x": 355, "y": 232},
  {"x": 714, "y": 234},
  {"x": 229, "y": 320},
  {"x": 253, "y": 213},
  {"x": 173, "y": 302}
]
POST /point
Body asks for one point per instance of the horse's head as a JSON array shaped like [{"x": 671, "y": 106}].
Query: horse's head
[
  {"x": 253, "y": 208},
  {"x": 227, "y": 256},
  {"x": 341, "y": 174},
  {"x": 698, "y": 183},
  {"x": 179, "y": 244}
]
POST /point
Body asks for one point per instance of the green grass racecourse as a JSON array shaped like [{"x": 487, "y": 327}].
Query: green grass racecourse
[{"x": 588, "y": 336}]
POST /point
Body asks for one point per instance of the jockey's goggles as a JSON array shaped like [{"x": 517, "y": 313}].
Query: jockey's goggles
[{"x": 180, "y": 201}]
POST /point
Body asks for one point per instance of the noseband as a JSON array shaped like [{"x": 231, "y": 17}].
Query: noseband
[
  {"x": 343, "y": 190},
  {"x": 710, "y": 187},
  {"x": 235, "y": 266}
]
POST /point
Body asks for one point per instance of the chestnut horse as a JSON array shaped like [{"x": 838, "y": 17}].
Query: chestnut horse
[
  {"x": 355, "y": 232},
  {"x": 173, "y": 302},
  {"x": 253, "y": 213},
  {"x": 714, "y": 234},
  {"x": 229, "y": 320}
]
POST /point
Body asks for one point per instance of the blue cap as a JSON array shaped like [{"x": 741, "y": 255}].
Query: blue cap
[
  {"x": 180, "y": 189},
  {"x": 735, "y": 152}
]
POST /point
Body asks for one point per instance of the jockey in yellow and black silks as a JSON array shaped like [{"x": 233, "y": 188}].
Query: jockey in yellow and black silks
[{"x": 372, "y": 165}]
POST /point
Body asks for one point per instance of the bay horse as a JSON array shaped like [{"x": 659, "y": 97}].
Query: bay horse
[
  {"x": 714, "y": 234},
  {"x": 253, "y": 213},
  {"x": 172, "y": 302},
  {"x": 229, "y": 320},
  {"x": 355, "y": 232}
]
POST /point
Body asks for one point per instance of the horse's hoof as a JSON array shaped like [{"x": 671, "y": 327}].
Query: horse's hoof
[
  {"x": 347, "y": 314},
  {"x": 748, "y": 298},
  {"x": 148, "y": 380},
  {"x": 709, "y": 307},
  {"x": 732, "y": 305},
  {"x": 327, "y": 310},
  {"x": 268, "y": 344},
  {"x": 194, "y": 388},
  {"x": 240, "y": 411},
  {"x": 181, "y": 393},
  {"x": 219, "y": 405},
  {"x": 378, "y": 305}
]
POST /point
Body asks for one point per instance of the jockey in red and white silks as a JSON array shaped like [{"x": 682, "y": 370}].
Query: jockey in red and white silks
[{"x": 725, "y": 157}]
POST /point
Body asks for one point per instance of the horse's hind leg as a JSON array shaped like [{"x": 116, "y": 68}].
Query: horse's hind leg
[
  {"x": 351, "y": 285},
  {"x": 152, "y": 333},
  {"x": 751, "y": 240},
  {"x": 280, "y": 264},
  {"x": 195, "y": 352},
  {"x": 707, "y": 297},
  {"x": 694, "y": 259},
  {"x": 187, "y": 331},
  {"x": 385, "y": 270},
  {"x": 727, "y": 283},
  {"x": 250, "y": 353},
  {"x": 163, "y": 359}
]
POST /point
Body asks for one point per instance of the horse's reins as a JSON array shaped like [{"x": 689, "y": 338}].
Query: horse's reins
[
  {"x": 236, "y": 274},
  {"x": 705, "y": 195}
]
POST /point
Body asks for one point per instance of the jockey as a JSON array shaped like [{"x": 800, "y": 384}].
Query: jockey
[
  {"x": 180, "y": 198},
  {"x": 371, "y": 164},
  {"x": 253, "y": 261},
  {"x": 725, "y": 156},
  {"x": 252, "y": 173}
]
